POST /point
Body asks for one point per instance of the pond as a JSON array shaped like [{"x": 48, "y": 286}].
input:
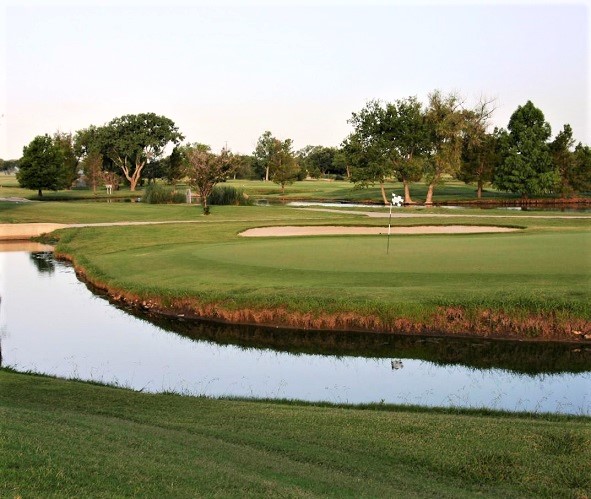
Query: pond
[{"x": 52, "y": 323}]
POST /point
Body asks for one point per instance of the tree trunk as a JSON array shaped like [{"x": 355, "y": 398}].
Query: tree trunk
[
  {"x": 407, "y": 198},
  {"x": 479, "y": 190},
  {"x": 267, "y": 174},
  {"x": 204, "y": 205},
  {"x": 39, "y": 193},
  {"x": 383, "y": 190},
  {"x": 429, "y": 199}
]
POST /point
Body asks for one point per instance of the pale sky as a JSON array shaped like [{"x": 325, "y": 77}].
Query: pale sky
[{"x": 227, "y": 72}]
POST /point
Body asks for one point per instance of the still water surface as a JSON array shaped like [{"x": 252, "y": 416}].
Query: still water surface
[{"x": 52, "y": 323}]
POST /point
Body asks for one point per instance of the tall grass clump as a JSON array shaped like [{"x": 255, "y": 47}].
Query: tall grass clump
[
  {"x": 228, "y": 195},
  {"x": 159, "y": 194}
]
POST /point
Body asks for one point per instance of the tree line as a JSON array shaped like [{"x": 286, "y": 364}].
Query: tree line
[
  {"x": 446, "y": 139},
  {"x": 404, "y": 140}
]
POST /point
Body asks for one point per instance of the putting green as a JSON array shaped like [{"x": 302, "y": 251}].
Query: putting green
[{"x": 491, "y": 253}]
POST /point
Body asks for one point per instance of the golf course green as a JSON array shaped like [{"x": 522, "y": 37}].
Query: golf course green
[
  {"x": 530, "y": 284},
  {"x": 534, "y": 284}
]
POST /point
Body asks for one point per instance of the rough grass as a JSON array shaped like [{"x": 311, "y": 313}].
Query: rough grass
[{"x": 74, "y": 439}]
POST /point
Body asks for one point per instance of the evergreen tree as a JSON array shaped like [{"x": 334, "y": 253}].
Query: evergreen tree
[
  {"x": 526, "y": 167},
  {"x": 579, "y": 177}
]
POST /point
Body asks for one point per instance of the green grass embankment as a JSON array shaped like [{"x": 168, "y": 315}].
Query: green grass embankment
[
  {"x": 534, "y": 284},
  {"x": 71, "y": 439},
  {"x": 528, "y": 285}
]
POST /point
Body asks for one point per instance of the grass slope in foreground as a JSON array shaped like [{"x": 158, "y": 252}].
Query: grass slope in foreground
[{"x": 71, "y": 439}]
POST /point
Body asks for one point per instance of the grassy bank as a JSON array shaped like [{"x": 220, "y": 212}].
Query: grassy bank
[
  {"x": 531, "y": 284},
  {"x": 70, "y": 439},
  {"x": 535, "y": 284}
]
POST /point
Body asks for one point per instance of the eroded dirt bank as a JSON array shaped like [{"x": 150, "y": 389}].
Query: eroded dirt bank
[{"x": 445, "y": 321}]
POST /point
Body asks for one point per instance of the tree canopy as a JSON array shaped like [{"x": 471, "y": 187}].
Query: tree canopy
[
  {"x": 403, "y": 140},
  {"x": 366, "y": 149},
  {"x": 206, "y": 169},
  {"x": 526, "y": 167},
  {"x": 42, "y": 165},
  {"x": 131, "y": 141},
  {"x": 275, "y": 159}
]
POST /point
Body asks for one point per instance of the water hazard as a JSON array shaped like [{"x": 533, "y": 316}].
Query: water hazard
[{"x": 51, "y": 323}]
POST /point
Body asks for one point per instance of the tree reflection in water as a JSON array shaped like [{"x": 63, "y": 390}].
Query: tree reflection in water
[{"x": 43, "y": 260}]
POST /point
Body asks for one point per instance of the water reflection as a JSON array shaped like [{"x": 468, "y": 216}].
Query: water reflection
[
  {"x": 520, "y": 357},
  {"x": 52, "y": 323},
  {"x": 43, "y": 260}
]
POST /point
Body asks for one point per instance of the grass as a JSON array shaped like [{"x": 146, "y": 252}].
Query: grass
[
  {"x": 303, "y": 190},
  {"x": 545, "y": 268},
  {"x": 345, "y": 190},
  {"x": 355, "y": 271},
  {"x": 74, "y": 439}
]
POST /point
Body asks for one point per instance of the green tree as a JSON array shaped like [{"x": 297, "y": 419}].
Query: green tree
[
  {"x": 206, "y": 169},
  {"x": 283, "y": 166},
  {"x": 174, "y": 169},
  {"x": 41, "y": 166},
  {"x": 579, "y": 177},
  {"x": 564, "y": 161},
  {"x": 366, "y": 150},
  {"x": 274, "y": 160},
  {"x": 317, "y": 160},
  {"x": 405, "y": 133},
  {"x": 526, "y": 166},
  {"x": 244, "y": 164},
  {"x": 479, "y": 148},
  {"x": 446, "y": 119},
  {"x": 131, "y": 141},
  {"x": 263, "y": 154},
  {"x": 154, "y": 169},
  {"x": 479, "y": 162},
  {"x": 88, "y": 149},
  {"x": 70, "y": 165},
  {"x": 92, "y": 167},
  {"x": 8, "y": 165},
  {"x": 340, "y": 165}
]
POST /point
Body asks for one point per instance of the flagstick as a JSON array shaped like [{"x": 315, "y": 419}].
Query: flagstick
[{"x": 389, "y": 224}]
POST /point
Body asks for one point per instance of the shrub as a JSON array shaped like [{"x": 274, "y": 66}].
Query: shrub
[
  {"x": 228, "y": 195},
  {"x": 159, "y": 194}
]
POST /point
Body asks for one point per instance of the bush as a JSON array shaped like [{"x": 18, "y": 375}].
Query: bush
[
  {"x": 228, "y": 195},
  {"x": 159, "y": 194}
]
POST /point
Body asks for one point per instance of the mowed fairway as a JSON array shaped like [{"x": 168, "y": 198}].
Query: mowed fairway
[{"x": 534, "y": 269}]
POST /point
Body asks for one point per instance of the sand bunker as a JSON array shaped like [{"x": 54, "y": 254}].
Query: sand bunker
[
  {"x": 332, "y": 230},
  {"x": 27, "y": 230}
]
